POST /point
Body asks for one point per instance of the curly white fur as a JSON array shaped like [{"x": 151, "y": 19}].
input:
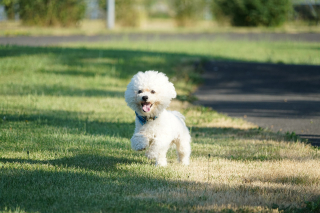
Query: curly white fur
[{"x": 149, "y": 94}]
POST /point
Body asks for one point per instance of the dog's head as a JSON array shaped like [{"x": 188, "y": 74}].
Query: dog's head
[{"x": 149, "y": 93}]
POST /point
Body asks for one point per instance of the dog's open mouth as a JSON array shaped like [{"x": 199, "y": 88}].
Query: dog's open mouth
[{"x": 146, "y": 106}]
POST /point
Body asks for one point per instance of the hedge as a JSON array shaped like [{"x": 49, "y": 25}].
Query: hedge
[
  {"x": 187, "y": 12},
  {"x": 51, "y": 12},
  {"x": 252, "y": 12}
]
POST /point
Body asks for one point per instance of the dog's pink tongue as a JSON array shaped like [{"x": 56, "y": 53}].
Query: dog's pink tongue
[{"x": 146, "y": 107}]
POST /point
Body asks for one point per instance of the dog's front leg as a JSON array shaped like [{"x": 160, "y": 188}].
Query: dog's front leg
[
  {"x": 139, "y": 142},
  {"x": 158, "y": 151}
]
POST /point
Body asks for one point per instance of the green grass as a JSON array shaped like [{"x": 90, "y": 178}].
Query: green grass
[{"x": 65, "y": 134}]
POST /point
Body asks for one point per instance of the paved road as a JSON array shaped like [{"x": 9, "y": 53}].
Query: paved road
[
  {"x": 278, "y": 97},
  {"x": 51, "y": 40}
]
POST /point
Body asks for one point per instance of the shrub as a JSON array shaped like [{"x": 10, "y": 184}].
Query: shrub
[
  {"x": 309, "y": 12},
  {"x": 10, "y": 7},
  {"x": 252, "y": 12},
  {"x": 188, "y": 11},
  {"x": 127, "y": 12},
  {"x": 51, "y": 12}
]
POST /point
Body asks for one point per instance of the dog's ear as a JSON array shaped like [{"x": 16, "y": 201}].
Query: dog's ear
[{"x": 172, "y": 91}]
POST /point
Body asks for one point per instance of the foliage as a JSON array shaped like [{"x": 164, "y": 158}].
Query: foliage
[
  {"x": 128, "y": 13},
  {"x": 308, "y": 12},
  {"x": 252, "y": 12},
  {"x": 188, "y": 11},
  {"x": 10, "y": 7},
  {"x": 292, "y": 136},
  {"x": 51, "y": 13}
]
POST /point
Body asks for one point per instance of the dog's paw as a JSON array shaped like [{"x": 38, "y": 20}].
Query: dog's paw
[
  {"x": 161, "y": 163},
  {"x": 151, "y": 155},
  {"x": 139, "y": 142},
  {"x": 185, "y": 162}
]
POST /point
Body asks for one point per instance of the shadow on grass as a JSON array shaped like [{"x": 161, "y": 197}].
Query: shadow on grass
[
  {"x": 229, "y": 78},
  {"x": 71, "y": 122},
  {"x": 62, "y": 189},
  {"x": 125, "y": 62},
  {"x": 254, "y": 144},
  {"x": 228, "y": 142},
  {"x": 83, "y": 161},
  {"x": 112, "y": 63},
  {"x": 62, "y": 185},
  {"x": 297, "y": 179},
  {"x": 59, "y": 90},
  {"x": 73, "y": 73},
  {"x": 69, "y": 191},
  {"x": 236, "y": 133},
  {"x": 247, "y": 77}
]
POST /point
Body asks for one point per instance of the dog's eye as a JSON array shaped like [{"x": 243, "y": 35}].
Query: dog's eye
[
  {"x": 140, "y": 91},
  {"x": 152, "y": 91}
]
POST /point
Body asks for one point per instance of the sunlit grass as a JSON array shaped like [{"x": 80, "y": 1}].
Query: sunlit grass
[
  {"x": 286, "y": 52},
  {"x": 65, "y": 134}
]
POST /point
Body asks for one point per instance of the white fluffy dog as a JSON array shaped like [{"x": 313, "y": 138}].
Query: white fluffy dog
[{"x": 149, "y": 94}]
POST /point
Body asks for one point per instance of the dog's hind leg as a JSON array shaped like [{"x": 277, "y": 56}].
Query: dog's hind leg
[{"x": 184, "y": 149}]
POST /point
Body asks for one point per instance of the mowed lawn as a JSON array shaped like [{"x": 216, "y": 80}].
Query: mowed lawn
[{"x": 65, "y": 134}]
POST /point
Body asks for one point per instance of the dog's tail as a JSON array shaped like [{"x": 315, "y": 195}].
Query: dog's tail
[{"x": 179, "y": 115}]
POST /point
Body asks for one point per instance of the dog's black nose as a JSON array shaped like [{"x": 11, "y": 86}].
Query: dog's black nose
[{"x": 145, "y": 98}]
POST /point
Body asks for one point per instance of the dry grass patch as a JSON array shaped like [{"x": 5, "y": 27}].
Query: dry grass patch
[
  {"x": 240, "y": 167},
  {"x": 215, "y": 184}
]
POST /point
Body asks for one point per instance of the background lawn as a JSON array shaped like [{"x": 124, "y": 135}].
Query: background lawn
[
  {"x": 157, "y": 25},
  {"x": 65, "y": 134}
]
